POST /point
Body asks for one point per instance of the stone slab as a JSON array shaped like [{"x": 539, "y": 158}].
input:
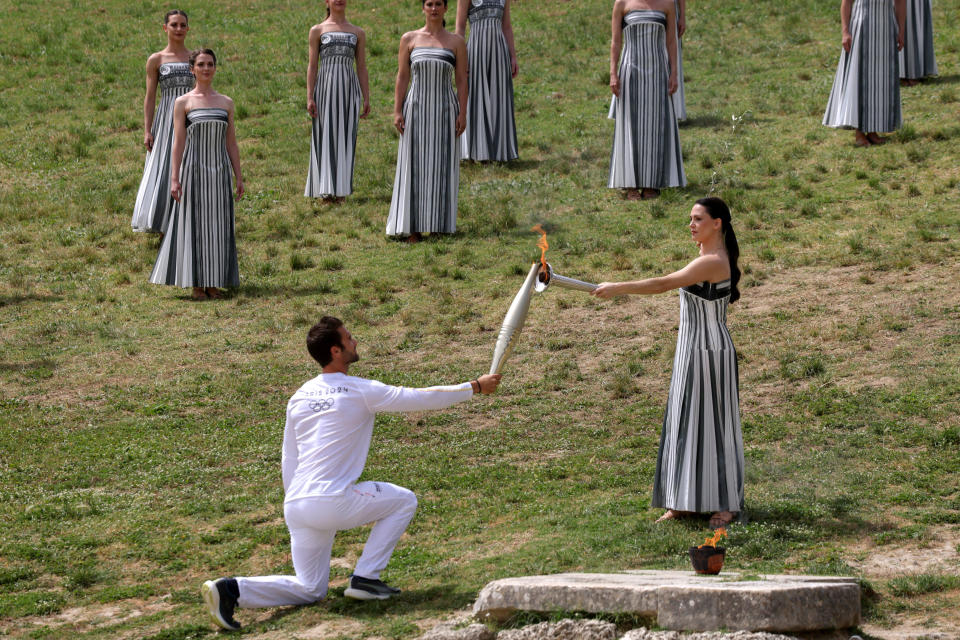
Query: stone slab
[{"x": 683, "y": 600}]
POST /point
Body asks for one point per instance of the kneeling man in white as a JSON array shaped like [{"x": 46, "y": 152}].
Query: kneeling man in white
[{"x": 325, "y": 445}]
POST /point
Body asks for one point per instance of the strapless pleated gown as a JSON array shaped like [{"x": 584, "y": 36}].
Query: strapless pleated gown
[
  {"x": 646, "y": 141},
  {"x": 428, "y": 156},
  {"x": 152, "y": 209},
  {"x": 866, "y": 87},
  {"x": 700, "y": 464},
  {"x": 917, "y": 59},
  {"x": 339, "y": 101},
  {"x": 199, "y": 247},
  {"x": 491, "y": 132}
]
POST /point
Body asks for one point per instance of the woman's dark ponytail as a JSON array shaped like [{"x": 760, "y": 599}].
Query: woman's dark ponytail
[{"x": 717, "y": 208}]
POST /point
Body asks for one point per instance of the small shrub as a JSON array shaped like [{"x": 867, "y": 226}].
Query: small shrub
[
  {"x": 299, "y": 262},
  {"x": 855, "y": 242},
  {"x": 331, "y": 264},
  {"x": 907, "y": 133},
  {"x": 793, "y": 367}
]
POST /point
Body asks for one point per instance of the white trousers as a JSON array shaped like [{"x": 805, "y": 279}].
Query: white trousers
[{"x": 313, "y": 522}]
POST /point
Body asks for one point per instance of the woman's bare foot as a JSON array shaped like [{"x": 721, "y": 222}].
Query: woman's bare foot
[
  {"x": 650, "y": 194},
  {"x": 414, "y": 238},
  {"x": 198, "y": 294},
  {"x": 632, "y": 194},
  {"x": 875, "y": 139},
  {"x": 672, "y": 514},
  {"x": 721, "y": 519},
  {"x": 860, "y": 139},
  {"x": 213, "y": 293}
]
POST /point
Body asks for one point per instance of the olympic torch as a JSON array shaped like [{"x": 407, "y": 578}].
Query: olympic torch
[{"x": 513, "y": 321}]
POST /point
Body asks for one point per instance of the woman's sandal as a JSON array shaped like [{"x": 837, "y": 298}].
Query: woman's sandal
[{"x": 198, "y": 295}]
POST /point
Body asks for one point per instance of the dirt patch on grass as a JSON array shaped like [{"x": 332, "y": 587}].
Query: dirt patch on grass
[
  {"x": 912, "y": 630},
  {"x": 90, "y": 617},
  {"x": 938, "y": 555},
  {"x": 326, "y": 629}
]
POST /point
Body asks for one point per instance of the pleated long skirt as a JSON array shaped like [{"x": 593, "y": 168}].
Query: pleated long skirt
[
  {"x": 152, "y": 209},
  {"x": 199, "y": 247},
  {"x": 917, "y": 59},
  {"x": 334, "y": 131},
  {"x": 700, "y": 463},
  {"x": 646, "y": 141},
  {"x": 427, "y": 180},
  {"x": 491, "y": 132},
  {"x": 679, "y": 96},
  {"x": 866, "y": 87}
]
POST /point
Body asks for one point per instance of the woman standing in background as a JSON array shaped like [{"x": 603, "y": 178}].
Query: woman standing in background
[
  {"x": 866, "y": 88},
  {"x": 169, "y": 69},
  {"x": 646, "y": 154},
  {"x": 491, "y": 132},
  {"x": 335, "y": 93},
  {"x": 916, "y": 57},
  {"x": 430, "y": 116},
  {"x": 199, "y": 247},
  {"x": 680, "y": 96}
]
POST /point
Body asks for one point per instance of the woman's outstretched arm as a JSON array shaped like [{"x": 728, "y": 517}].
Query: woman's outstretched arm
[{"x": 703, "y": 268}]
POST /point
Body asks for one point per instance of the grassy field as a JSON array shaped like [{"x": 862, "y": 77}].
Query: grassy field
[{"x": 140, "y": 432}]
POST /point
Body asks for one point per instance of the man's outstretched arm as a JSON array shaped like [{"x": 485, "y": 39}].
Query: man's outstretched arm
[{"x": 384, "y": 397}]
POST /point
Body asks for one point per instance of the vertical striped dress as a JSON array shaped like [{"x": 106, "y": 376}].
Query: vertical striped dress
[
  {"x": 866, "y": 88},
  {"x": 339, "y": 100},
  {"x": 679, "y": 97},
  {"x": 646, "y": 142},
  {"x": 700, "y": 464},
  {"x": 152, "y": 209},
  {"x": 199, "y": 247},
  {"x": 428, "y": 156},
  {"x": 916, "y": 58},
  {"x": 491, "y": 132}
]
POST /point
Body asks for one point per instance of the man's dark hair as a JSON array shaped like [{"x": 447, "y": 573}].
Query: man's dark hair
[{"x": 322, "y": 336}]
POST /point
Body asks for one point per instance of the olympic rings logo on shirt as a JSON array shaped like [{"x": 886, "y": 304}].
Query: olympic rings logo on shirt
[{"x": 321, "y": 405}]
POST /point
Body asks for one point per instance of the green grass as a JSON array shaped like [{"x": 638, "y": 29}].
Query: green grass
[{"x": 141, "y": 432}]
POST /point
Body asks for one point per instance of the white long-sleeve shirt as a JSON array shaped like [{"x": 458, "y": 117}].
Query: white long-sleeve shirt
[{"x": 330, "y": 422}]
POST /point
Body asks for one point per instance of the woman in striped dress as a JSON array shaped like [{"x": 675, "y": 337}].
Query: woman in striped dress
[
  {"x": 199, "y": 247},
  {"x": 169, "y": 70},
  {"x": 700, "y": 461},
  {"x": 646, "y": 142},
  {"x": 334, "y": 95},
  {"x": 679, "y": 96},
  {"x": 916, "y": 57},
  {"x": 430, "y": 116},
  {"x": 491, "y": 132},
  {"x": 866, "y": 89}
]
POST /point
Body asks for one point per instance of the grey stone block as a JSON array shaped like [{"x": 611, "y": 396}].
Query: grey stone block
[
  {"x": 644, "y": 634},
  {"x": 447, "y": 631},
  {"x": 563, "y": 630},
  {"x": 685, "y": 601}
]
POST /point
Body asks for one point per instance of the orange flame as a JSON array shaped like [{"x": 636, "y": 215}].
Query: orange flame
[
  {"x": 542, "y": 243},
  {"x": 714, "y": 539}
]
